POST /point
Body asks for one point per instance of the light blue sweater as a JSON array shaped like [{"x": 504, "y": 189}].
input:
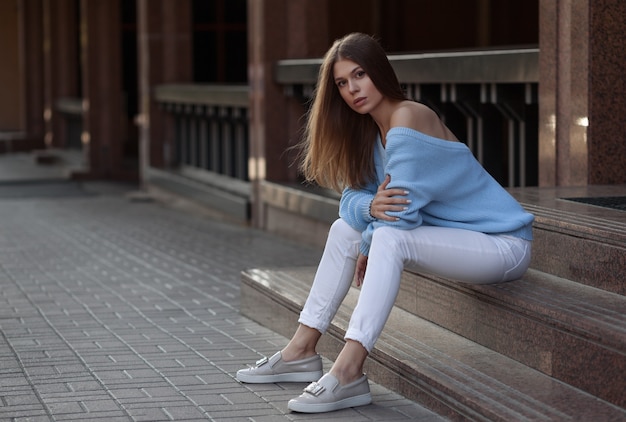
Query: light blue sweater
[{"x": 447, "y": 187}]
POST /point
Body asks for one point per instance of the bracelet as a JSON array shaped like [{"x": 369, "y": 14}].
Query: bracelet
[{"x": 370, "y": 209}]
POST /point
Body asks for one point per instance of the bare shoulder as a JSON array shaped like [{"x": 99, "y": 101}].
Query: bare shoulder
[
  {"x": 421, "y": 118},
  {"x": 410, "y": 114}
]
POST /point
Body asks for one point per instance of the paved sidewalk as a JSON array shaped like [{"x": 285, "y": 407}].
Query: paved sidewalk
[{"x": 120, "y": 310}]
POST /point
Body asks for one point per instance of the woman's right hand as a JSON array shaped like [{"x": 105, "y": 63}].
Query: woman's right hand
[
  {"x": 388, "y": 200},
  {"x": 359, "y": 273}
]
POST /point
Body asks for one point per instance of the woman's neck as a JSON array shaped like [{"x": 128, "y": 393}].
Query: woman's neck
[{"x": 382, "y": 117}]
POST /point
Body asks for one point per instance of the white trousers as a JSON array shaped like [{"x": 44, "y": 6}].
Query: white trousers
[{"x": 463, "y": 255}]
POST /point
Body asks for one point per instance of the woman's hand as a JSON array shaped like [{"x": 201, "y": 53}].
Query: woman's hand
[
  {"x": 359, "y": 273},
  {"x": 388, "y": 200}
]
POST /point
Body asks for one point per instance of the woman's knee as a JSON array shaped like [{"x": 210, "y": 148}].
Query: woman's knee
[
  {"x": 341, "y": 229},
  {"x": 389, "y": 237},
  {"x": 343, "y": 239}
]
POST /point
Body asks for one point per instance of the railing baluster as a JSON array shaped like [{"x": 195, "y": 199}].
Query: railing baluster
[
  {"x": 214, "y": 149},
  {"x": 522, "y": 154},
  {"x": 193, "y": 136},
  {"x": 241, "y": 151},
  {"x": 511, "y": 152},
  {"x": 184, "y": 135},
  {"x": 203, "y": 137},
  {"x": 226, "y": 142}
]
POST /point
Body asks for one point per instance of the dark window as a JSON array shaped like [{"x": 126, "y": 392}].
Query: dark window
[
  {"x": 220, "y": 41},
  {"x": 129, "y": 76}
]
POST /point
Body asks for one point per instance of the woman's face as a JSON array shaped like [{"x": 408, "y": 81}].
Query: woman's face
[{"x": 356, "y": 87}]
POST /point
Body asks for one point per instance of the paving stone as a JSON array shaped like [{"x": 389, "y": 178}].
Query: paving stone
[
  {"x": 149, "y": 415},
  {"x": 65, "y": 407},
  {"x": 99, "y": 404},
  {"x": 20, "y": 400},
  {"x": 116, "y": 310},
  {"x": 40, "y": 416}
]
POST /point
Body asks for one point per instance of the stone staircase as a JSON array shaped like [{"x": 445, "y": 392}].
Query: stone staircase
[{"x": 551, "y": 346}]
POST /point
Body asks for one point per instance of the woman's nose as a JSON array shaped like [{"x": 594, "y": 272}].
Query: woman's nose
[{"x": 353, "y": 86}]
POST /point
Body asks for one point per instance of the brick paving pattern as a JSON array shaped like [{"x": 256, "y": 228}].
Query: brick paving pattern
[{"x": 120, "y": 310}]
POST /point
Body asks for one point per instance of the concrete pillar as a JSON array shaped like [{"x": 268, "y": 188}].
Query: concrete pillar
[
  {"x": 581, "y": 92},
  {"x": 31, "y": 68},
  {"x": 102, "y": 86},
  {"x": 607, "y": 91},
  {"x": 60, "y": 54},
  {"x": 10, "y": 75},
  {"x": 306, "y": 38},
  {"x": 277, "y": 29},
  {"x": 165, "y": 55}
]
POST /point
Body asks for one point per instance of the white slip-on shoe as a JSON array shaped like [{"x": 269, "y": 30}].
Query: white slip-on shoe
[
  {"x": 275, "y": 369},
  {"x": 327, "y": 395}
]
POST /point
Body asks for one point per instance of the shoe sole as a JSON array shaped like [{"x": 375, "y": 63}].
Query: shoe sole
[
  {"x": 355, "y": 401},
  {"x": 288, "y": 377}
]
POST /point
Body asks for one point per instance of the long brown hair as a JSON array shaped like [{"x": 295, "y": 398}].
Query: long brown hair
[{"x": 338, "y": 143}]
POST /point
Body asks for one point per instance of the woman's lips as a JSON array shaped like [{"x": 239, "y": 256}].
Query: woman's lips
[{"x": 359, "y": 101}]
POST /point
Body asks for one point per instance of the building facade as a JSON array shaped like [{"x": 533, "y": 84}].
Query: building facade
[{"x": 208, "y": 95}]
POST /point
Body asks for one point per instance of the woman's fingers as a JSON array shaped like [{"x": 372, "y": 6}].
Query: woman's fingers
[
  {"x": 387, "y": 200},
  {"x": 384, "y": 184},
  {"x": 361, "y": 266},
  {"x": 394, "y": 192}
]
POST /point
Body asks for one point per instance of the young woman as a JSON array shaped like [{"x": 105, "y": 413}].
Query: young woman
[{"x": 412, "y": 196}]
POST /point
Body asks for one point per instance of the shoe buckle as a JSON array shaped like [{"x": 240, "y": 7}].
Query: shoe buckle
[
  {"x": 262, "y": 362},
  {"x": 314, "y": 389}
]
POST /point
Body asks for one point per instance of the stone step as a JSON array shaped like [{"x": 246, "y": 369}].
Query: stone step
[
  {"x": 460, "y": 378},
  {"x": 579, "y": 241},
  {"x": 581, "y": 248},
  {"x": 569, "y": 331}
]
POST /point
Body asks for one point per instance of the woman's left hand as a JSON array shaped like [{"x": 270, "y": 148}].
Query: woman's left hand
[
  {"x": 387, "y": 200},
  {"x": 359, "y": 273}
]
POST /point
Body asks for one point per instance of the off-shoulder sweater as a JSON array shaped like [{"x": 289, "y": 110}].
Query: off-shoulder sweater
[{"x": 447, "y": 187}]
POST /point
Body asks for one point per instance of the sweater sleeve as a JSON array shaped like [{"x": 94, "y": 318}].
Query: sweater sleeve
[{"x": 354, "y": 207}]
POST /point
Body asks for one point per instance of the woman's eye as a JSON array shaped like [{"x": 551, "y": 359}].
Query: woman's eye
[
  {"x": 341, "y": 83},
  {"x": 360, "y": 73}
]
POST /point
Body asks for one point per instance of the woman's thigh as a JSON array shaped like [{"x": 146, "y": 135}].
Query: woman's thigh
[{"x": 463, "y": 255}]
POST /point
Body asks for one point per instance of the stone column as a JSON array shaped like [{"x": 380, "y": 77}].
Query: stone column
[
  {"x": 102, "y": 86},
  {"x": 31, "y": 67},
  {"x": 306, "y": 38},
  {"x": 607, "y": 92},
  {"x": 60, "y": 53},
  {"x": 563, "y": 77},
  {"x": 581, "y": 92},
  {"x": 165, "y": 55},
  {"x": 10, "y": 75},
  {"x": 277, "y": 29}
]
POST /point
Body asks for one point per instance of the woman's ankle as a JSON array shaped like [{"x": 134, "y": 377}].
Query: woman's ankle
[
  {"x": 291, "y": 353},
  {"x": 346, "y": 375},
  {"x": 302, "y": 344},
  {"x": 348, "y": 366}
]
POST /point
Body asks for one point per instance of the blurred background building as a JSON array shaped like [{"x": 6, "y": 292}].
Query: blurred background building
[{"x": 201, "y": 99}]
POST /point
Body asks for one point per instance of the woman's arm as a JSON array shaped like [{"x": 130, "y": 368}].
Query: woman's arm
[{"x": 354, "y": 207}]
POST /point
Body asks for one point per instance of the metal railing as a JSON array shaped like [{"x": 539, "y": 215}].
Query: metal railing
[
  {"x": 488, "y": 98},
  {"x": 211, "y": 127}
]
